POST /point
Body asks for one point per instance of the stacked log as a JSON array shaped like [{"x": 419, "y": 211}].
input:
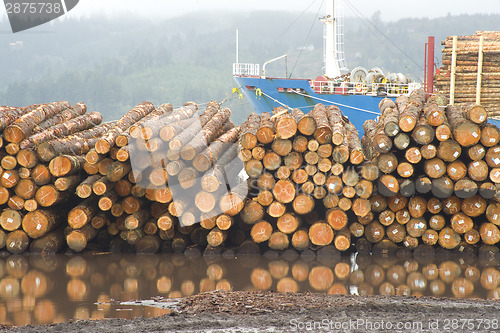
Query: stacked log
[
  {"x": 438, "y": 183},
  {"x": 308, "y": 178},
  {"x": 165, "y": 179},
  {"x": 162, "y": 182},
  {"x": 473, "y": 58},
  {"x": 34, "y": 189}
]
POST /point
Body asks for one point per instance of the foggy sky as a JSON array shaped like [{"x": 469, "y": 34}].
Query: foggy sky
[{"x": 390, "y": 9}]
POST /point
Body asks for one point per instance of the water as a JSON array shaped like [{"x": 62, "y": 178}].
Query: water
[{"x": 43, "y": 290}]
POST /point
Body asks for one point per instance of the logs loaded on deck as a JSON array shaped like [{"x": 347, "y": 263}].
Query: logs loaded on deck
[
  {"x": 470, "y": 70},
  {"x": 181, "y": 179}
]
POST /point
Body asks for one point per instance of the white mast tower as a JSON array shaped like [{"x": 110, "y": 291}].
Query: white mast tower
[{"x": 333, "y": 39}]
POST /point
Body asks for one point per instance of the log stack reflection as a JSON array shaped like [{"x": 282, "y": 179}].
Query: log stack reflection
[{"x": 44, "y": 290}]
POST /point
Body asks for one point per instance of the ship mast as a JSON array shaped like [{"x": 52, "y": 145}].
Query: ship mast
[{"x": 333, "y": 43}]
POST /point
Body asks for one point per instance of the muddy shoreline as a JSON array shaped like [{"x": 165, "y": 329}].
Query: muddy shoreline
[{"x": 276, "y": 312}]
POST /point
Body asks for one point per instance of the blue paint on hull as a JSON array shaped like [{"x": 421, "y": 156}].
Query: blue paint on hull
[{"x": 348, "y": 104}]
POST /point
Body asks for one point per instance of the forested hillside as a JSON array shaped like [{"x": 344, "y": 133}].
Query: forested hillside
[{"x": 113, "y": 64}]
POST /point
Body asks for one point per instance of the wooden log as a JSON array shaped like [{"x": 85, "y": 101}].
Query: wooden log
[
  {"x": 67, "y": 183},
  {"x": 465, "y": 132},
  {"x": 473, "y": 112},
  {"x": 64, "y": 116},
  {"x": 66, "y": 165},
  {"x": 276, "y": 209},
  {"x": 387, "y": 163},
  {"x": 409, "y": 116},
  {"x": 300, "y": 240},
  {"x": 374, "y": 232},
  {"x": 233, "y": 202},
  {"x": 478, "y": 170},
  {"x": 337, "y": 124},
  {"x": 252, "y": 212},
  {"x": 10, "y": 219},
  {"x": 303, "y": 204},
  {"x": 82, "y": 214},
  {"x": 488, "y": 190},
  {"x": 248, "y": 138},
  {"x": 78, "y": 124},
  {"x": 84, "y": 189},
  {"x": 299, "y": 144},
  {"x": 26, "y": 189},
  {"x": 216, "y": 237},
  {"x": 117, "y": 170},
  {"x": 294, "y": 161},
  {"x": 9, "y": 178},
  {"x": 288, "y": 223},
  {"x": 320, "y": 234},
  {"x": 442, "y": 187},
  {"x": 24, "y": 125},
  {"x": 435, "y": 114},
  {"x": 266, "y": 132},
  {"x": 48, "y": 196},
  {"x": 435, "y": 168},
  {"x": 474, "y": 206},
  {"x": 144, "y": 129},
  {"x": 282, "y": 147},
  {"x": 284, "y": 191},
  {"x": 77, "y": 144},
  {"x": 342, "y": 240},
  {"x": 278, "y": 241},
  {"x": 340, "y": 154},
  {"x": 286, "y": 126},
  {"x": 323, "y": 132},
  {"x": 306, "y": 124},
  {"x": 423, "y": 133},
  {"x": 51, "y": 243},
  {"x": 490, "y": 234},
  {"x": 217, "y": 148},
  {"x": 78, "y": 239},
  {"x": 490, "y": 135},
  {"x": 15, "y": 202},
  {"x": 476, "y": 152},
  {"x": 456, "y": 170},
  {"x": 449, "y": 150},
  {"x": 413, "y": 155},
  {"x": 402, "y": 141},
  {"x": 336, "y": 218},
  {"x": 107, "y": 141},
  {"x": 443, "y": 132},
  {"x": 388, "y": 185},
  {"x": 356, "y": 155},
  {"x": 17, "y": 242},
  {"x": 40, "y": 222},
  {"x": 9, "y": 115},
  {"x": 492, "y": 157},
  {"x": 209, "y": 132}
]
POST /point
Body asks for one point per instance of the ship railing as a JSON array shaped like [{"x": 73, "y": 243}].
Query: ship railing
[
  {"x": 374, "y": 89},
  {"x": 241, "y": 69}
]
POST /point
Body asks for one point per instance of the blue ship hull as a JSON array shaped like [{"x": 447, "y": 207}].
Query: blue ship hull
[{"x": 267, "y": 93}]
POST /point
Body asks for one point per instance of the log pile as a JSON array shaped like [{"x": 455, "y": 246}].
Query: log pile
[
  {"x": 35, "y": 187},
  {"x": 188, "y": 179},
  {"x": 161, "y": 182},
  {"x": 469, "y": 62},
  {"x": 308, "y": 178},
  {"x": 439, "y": 175}
]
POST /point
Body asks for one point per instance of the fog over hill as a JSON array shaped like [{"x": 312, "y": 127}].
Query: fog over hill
[{"x": 113, "y": 63}]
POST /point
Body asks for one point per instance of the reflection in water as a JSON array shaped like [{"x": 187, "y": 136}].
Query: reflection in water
[{"x": 43, "y": 290}]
